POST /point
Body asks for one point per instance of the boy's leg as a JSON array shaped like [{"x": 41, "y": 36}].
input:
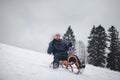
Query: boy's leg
[
  {"x": 64, "y": 57},
  {"x": 56, "y": 61}
]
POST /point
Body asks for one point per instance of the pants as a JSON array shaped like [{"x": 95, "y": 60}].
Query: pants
[{"x": 58, "y": 57}]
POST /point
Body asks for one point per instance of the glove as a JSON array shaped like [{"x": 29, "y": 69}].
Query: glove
[{"x": 70, "y": 44}]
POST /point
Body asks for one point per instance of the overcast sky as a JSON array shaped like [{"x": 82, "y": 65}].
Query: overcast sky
[{"x": 31, "y": 23}]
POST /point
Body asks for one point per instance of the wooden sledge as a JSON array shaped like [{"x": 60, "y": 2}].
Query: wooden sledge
[{"x": 71, "y": 64}]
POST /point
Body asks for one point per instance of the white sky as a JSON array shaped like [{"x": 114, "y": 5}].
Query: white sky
[{"x": 31, "y": 23}]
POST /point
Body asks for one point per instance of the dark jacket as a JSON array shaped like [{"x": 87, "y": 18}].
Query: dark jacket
[{"x": 58, "y": 46}]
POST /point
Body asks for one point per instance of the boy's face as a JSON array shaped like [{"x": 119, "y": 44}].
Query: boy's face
[{"x": 57, "y": 36}]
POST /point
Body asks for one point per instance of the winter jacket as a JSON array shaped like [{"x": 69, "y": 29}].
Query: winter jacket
[{"x": 58, "y": 46}]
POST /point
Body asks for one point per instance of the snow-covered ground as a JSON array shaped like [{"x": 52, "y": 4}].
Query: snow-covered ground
[{"x": 21, "y": 64}]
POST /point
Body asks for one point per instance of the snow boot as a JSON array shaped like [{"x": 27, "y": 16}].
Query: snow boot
[
  {"x": 83, "y": 65},
  {"x": 55, "y": 65}
]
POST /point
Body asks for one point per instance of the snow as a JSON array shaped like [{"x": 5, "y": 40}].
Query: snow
[{"x": 22, "y": 64}]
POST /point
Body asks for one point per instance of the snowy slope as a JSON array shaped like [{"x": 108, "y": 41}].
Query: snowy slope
[{"x": 21, "y": 64}]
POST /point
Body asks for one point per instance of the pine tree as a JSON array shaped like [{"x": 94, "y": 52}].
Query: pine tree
[
  {"x": 113, "y": 59},
  {"x": 91, "y": 46},
  {"x": 97, "y": 46},
  {"x": 119, "y": 55},
  {"x": 69, "y": 35}
]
